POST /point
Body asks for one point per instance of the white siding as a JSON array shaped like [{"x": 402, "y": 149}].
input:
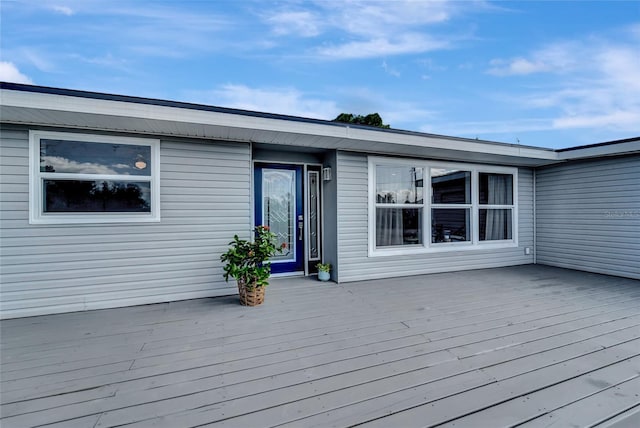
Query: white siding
[
  {"x": 205, "y": 199},
  {"x": 354, "y": 262},
  {"x": 588, "y": 216}
]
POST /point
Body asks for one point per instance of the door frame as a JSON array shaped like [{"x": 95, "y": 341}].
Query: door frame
[{"x": 305, "y": 207}]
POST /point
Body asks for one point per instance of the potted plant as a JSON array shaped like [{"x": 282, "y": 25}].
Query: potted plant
[
  {"x": 324, "y": 270},
  {"x": 248, "y": 263}
]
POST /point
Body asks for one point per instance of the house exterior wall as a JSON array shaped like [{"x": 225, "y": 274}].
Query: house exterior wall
[
  {"x": 588, "y": 215},
  {"x": 330, "y": 217},
  {"x": 204, "y": 201},
  {"x": 354, "y": 261}
]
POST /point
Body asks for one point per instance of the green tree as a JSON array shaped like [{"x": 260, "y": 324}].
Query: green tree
[{"x": 372, "y": 119}]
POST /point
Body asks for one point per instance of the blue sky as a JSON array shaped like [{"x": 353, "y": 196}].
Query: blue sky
[{"x": 544, "y": 73}]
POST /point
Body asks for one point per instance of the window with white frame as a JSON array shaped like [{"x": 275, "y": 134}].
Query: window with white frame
[
  {"x": 79, "y": 178},
  {"x": 495, "y": 213},
  {"x": 399, "y": 205},
  {"x": 468, "y": 206}
]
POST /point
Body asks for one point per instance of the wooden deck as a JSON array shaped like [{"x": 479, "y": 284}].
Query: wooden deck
[{"x": 530, "y": 345}]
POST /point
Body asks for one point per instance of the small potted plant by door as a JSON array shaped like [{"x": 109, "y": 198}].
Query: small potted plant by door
[
  {"x": 324, "y": 271},
  {"x": 248, "y": 263}
]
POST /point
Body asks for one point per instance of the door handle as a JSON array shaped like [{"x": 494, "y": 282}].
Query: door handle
[{"x": 300, "y": 227}]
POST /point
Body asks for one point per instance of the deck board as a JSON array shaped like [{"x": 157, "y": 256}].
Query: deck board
[{"x": 495, "y": 347}]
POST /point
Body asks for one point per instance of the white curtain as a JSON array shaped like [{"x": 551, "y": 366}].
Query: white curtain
[
  {"x": 498, "y": 225},
  {"x": 389, "y": 227}
]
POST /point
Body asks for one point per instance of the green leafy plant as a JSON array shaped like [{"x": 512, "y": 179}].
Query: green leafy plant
[
  {"x": 247, "y": 261},
  {"x": 324, "y": 267}
]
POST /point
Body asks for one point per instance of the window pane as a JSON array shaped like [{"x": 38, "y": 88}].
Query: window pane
[
  {"x": 495, "y": 224},
  {"x": 96, "y": 196},
  {"x": 451, "y": 186},
  {"x": 81, "y": 157},
  {"x": 450, "y": 225},
  {"x": 398, "y": 185},
  {"x": 398, "y": 226},
  {"x": 314, "y": 215},
  {"x": 496, "y": 189}
]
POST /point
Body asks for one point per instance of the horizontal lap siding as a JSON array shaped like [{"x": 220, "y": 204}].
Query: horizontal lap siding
[
  {"x": 354, "y": 262},
  {"x": 204, "y": 201},
  {"x": 588, "y": 216}
]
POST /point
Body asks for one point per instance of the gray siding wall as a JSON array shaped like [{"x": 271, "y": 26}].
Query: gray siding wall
[
  {"x": 588, "y": 216},
  {"x": 205, "y": 199},
  {"x": 352, "y": 180},
  {"x": 329, "y": 218}
]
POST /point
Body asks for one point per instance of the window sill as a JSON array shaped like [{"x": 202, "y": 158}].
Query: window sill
[
  {"x": 97, "y": 219},
  {"x": 443, "y": 247}
]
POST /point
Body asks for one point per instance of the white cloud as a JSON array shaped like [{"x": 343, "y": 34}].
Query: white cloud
[
  {"x": 287, "y": 101},
  {"x": 403, "y": 44},
  {"x": 64, "y": 10},
  {"x": 59, "y": 163},
  {"x": 591, "y": 83},
  {"x": 36, "y": 57},
  {"x": 365, "y": 29},
  {"x": 10, "y": 73},
  {"x": 369, "y": 18},
  {"x": 622, "y": 120},
  {"x": 390, "y": 70},
  {"x": 556, "y": 58},
  {"x": 302, "y": 23}
]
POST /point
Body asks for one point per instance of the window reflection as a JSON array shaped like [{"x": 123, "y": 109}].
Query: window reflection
[
  {"x": 450, "y": 225},
  {"x": 96, "y": 196},
  {"x": 451, "y": 186},
  {"x": 80, "y": 157},
  {"x": 399, "y": 185}
]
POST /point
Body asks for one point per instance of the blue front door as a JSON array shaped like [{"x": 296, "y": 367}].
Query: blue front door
[{"x": 278, "y": 204}]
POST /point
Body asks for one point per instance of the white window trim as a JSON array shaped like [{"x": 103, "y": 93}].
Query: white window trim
[
  {"x": 36, "y": 213},
  {"x": 427, "y": 246}
]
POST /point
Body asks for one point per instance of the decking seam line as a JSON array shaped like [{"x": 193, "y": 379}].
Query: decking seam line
[
  {"x": 386, "y": 340},
  {"x": 417, "y": 334},
  {"x": 413, "y": 386},
  {"x": 362, "y": 383},
  {"x": 510, "y": 345},
  {"x": 515, "y": 300},
  {"x": 596, "y": 292},
  {"x": 431, "y": 381},
  {"x": 591, "y": 394},
  {"x": 494, "y": 403},
  {"x": 346, "y": 359},
  {"x": 608, "y": 418}
]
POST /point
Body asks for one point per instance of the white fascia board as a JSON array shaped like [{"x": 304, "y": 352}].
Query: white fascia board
[
  {"x": 451, "y": 144},
  {"x": 629, "y": 147},
  {"x": 68, "y": 103}
]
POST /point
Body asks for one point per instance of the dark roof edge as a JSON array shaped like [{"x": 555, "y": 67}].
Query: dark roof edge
[
  {"x": 606, "y": 143},
  {"x": 204, "y": 107}
]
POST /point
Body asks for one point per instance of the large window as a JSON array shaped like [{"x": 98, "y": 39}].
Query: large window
[
  {"x": 467, "y": 206},
  {"x": 78, "y": 178}
]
